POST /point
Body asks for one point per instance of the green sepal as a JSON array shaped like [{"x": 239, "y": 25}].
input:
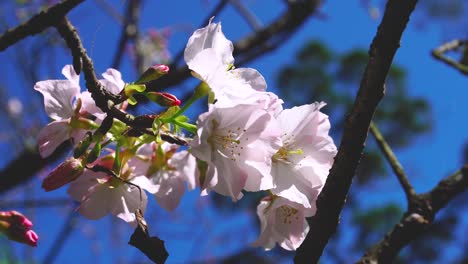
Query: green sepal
[
  {"x": 131, "y": 100},
  {"x": 82, "y": 146},
  {"x": 94, "y": 153},
  {"x": 117, "y": 129},
  {"x": 117, "y": 162},
  {"x": 170, "y": 112},
  {"x": 131, "y": 89}
]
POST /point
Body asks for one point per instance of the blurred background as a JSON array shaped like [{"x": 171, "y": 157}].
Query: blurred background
[{"x": 318, "y": 55}]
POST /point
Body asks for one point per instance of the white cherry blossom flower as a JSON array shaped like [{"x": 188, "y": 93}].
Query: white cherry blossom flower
[
  {"x": 283, "y": 222},
  {"x": 209, "y": 55},
  {"x": 237, "y": 143},
  {"x": 301, "y": 165}
]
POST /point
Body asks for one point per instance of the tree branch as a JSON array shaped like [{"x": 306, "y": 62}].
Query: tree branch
[
  {"x": 333, "y": 196},
  {"x": 394, "y": 163},
  {"x": 37, "y": 23},
  {"x": 419, "y": 216},
  {"x": 438, "y": 53},
  {"x": 281, "y": 28},
  {"x": 129, "y": 33},
  {"x": 26, "y": 165}
]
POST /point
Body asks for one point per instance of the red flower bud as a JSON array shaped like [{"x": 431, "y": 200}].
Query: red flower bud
[
  {"x": 152, "y": 73},
  {"x": 66, "y": 172},
  {"x": 163, "y": 99},
  {"x": 18, "y": 228}
]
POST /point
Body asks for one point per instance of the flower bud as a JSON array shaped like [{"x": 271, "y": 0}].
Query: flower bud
[
  {"x": 18, "y": 228},
  {"x": 152, "y": 73},
  {"x": 66, "y": 172},
  {"x": 163, "y": 99}
]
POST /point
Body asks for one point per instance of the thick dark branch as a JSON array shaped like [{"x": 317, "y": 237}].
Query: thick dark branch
[
  {"x": 333, "y": 196},
  {"x": 26, "y": 165},
  {"x": 104, "y": 99},
  {"x": 394, "y": 163},
  {"x": 283, "y": 27},
  {"x": 418, "y": 218},
  {"x": 37, "y": 23}
]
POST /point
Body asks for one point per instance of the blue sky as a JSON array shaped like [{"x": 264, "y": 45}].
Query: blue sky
[{"x": 342, "y": 26}]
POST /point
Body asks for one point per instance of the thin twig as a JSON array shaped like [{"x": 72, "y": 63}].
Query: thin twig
[
  {"x": 35, "y": 203},
  {"x": 67, "y": 229},
  {"x": 109, "y": 9},
  {"x": 129, "y": 33},
  {"x": 438, "y": 53},
  {"x": 333, "y": 196},
  {"x": 249, "y": 17},
  {"x": 37, "y": 23},
  {"x": 394, "y": 163}
]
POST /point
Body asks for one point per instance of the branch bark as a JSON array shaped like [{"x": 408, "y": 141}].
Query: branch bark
[
  {"x": 419, "y": 216},
  {"x": 26, "y": 165},
  {"x": 333, "y": 196},
  {"x": 37, "y": 23}
]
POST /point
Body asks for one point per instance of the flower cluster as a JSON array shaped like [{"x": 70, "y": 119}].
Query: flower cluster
[
  {"x": 249, "y": 143},
  {"x": 246, "y": 141}
]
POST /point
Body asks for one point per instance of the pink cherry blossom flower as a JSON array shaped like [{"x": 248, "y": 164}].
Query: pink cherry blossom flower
[
  {"x": 69, "y": 108},
  {"x": 283, "y": 222},
  {"x": 301, "y": 165},
  {"x": 100, "y": 193},
  {"x": 238, "y": 147}
]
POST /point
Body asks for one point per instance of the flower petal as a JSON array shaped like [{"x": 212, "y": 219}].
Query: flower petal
[
  {"x": 210, "y": 36},
  {"x": 58, "y": 96},
  {"x": 51, "y": 136}
]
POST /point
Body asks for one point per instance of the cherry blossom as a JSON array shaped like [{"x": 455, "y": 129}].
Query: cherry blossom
[
  {"x": 69, "y": 108},
  {"x": 209, "y": 55},
  {"x": 100, "y": 193},
  {"x": 227, "y": 139},
  {"x": 167, "y": 170},
  {"x": 282, "y": 222},
  {"x": 301, "y": 165}
]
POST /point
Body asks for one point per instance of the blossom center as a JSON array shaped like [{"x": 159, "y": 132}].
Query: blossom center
[
  {"x": 283, "y": 154},
  {"x": 287, "y": 214},
  {"x": 227, "y": 142}
]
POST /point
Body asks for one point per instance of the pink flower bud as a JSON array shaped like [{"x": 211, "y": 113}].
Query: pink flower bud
[
  {"x": 66, "y": 172},
  {"x": 152, "y": 73},
  {"x": 31, "y": 238},
  {"x": 18, "y": 228},
  {"x": 163, "y": 99}
]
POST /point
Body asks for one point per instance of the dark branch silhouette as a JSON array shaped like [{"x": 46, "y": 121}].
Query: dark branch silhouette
[
  {"x": 37, "y": 23},
  {"x": 333, "y": 196},
  {"x": 419, "y": 216}
]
